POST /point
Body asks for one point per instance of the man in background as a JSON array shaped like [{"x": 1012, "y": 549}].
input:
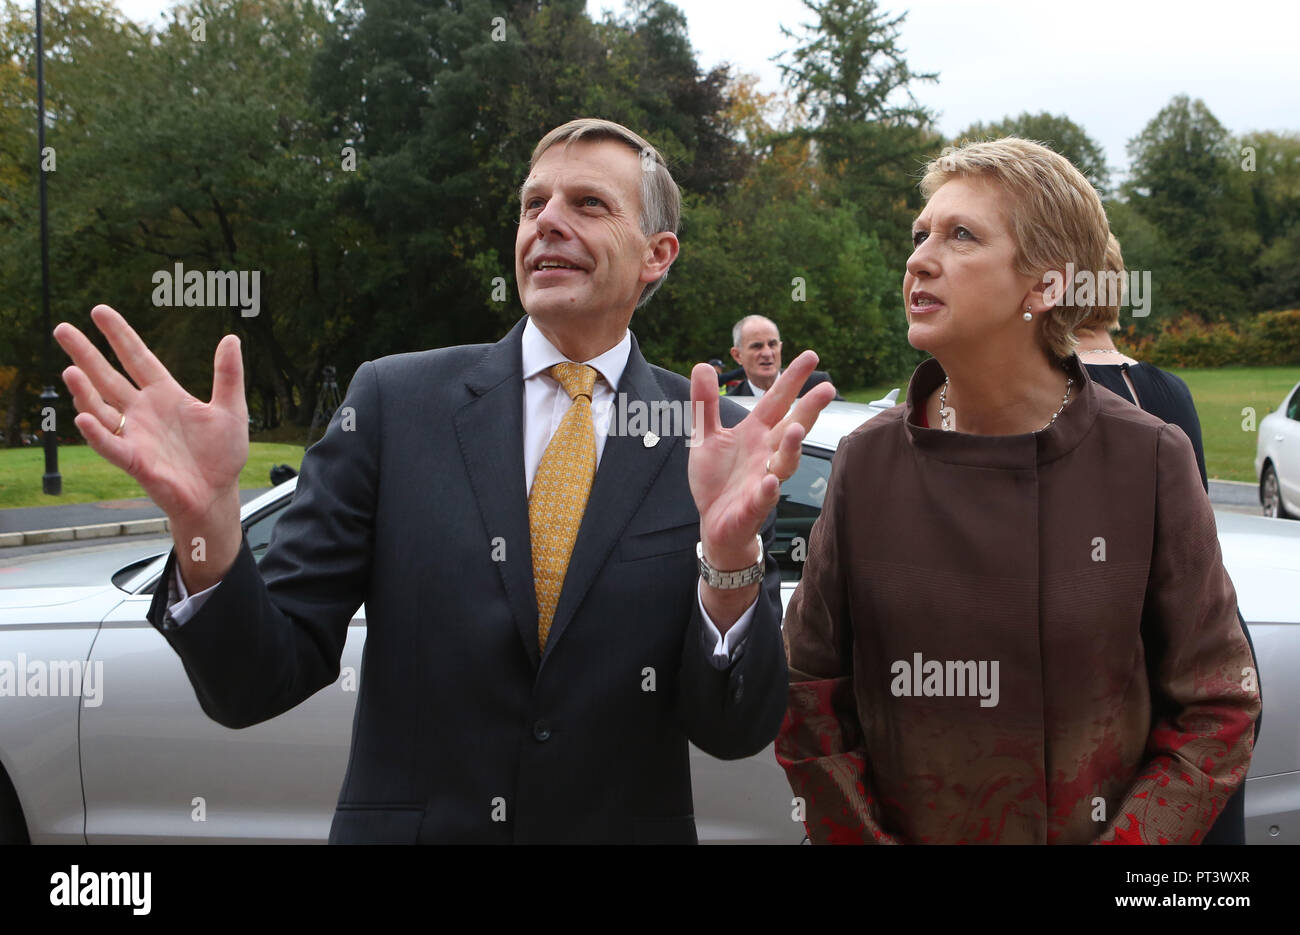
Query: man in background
[{"x": 757, "y": 348}]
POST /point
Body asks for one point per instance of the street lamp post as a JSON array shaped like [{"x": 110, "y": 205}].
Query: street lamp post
[{"x": 51, "y": 480}]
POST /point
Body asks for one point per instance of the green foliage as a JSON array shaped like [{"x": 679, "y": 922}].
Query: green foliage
[
  {"x": 1275, "y": 338},
  {"x": 1274, "y": 181},
  {"x": 870, "y": 135},
  {"x": 849, "y": 69},
  {"x": 1056, "y": 131},
  {"x": 1267, "y": 339},
  {"x": 805, "y": 265},
  {"x": 446, "y": 118},
  {"x": 364, "y": 157},
  {"x": 1187, "y": 184}
]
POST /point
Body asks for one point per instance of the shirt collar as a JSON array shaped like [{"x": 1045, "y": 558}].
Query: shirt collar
[
  {"x": 539, "y": 355},
  {"x": 758, "y": 392}
]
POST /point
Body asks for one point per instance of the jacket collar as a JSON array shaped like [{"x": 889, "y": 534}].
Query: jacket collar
[{"x": 1001, "y": 451}]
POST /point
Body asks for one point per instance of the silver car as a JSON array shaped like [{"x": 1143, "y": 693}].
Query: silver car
[
  {"x": 133, "y": 758},
  {"x": 1277, "y": 458}
]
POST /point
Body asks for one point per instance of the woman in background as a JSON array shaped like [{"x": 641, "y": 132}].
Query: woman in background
[{"x": 1156, "y": 391}]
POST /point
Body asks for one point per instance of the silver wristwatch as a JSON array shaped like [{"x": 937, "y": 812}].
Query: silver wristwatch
[{"x": 730, "y": 580}]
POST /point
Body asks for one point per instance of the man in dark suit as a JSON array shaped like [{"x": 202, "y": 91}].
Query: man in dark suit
[
  {"x": 542, "y": 638},
  {"x": 757, "y": 348}
]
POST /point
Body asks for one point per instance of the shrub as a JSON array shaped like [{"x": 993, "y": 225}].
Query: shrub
[
  {"x": 1274, "y": 338},
  {"x": 1267, "y": 339}
]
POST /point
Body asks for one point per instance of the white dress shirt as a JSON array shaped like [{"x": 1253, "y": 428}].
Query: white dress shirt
[
  {"x": 545, "y": 403},
  {"x": 759, "y": 392}
]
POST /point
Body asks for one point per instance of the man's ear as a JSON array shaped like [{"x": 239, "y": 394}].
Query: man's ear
[
  {"x": 735, "y": 355},
  {"x": 661, "y": 249}
]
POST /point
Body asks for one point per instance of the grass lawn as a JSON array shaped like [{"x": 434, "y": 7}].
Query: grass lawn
[
  {"x": 87, "y": 477},
  {"x": 869, "y": 393},
  {"x": 1220, "y": 397}
]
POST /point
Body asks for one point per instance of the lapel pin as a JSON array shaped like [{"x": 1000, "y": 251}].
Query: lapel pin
[{"x": 650, "y": 439}]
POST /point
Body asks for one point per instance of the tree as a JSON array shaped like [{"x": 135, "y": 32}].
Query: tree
[
  {"x": 445, "y": 103},
  {"x": 1187, "y": 184},
  {"x": 849, "y": 68},
  {"x": 869, "y": 132},
  {"x": 1058, "y": 132},
  {"x": 76, "y": 32},
  {"x": 774, "y": 246},
  {"x": 1271, "y": 162},
  {"x": 198, "y": 145}
]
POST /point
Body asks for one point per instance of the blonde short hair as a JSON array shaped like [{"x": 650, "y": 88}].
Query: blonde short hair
[
  {"x": 661, "y": 199},
  {"x": 1056, "y": 215},
  {"x": 1107, "y": 316}
]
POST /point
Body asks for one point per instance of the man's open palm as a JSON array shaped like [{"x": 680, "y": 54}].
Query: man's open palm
[
  {"x": 185, "y": 453},
  {"x": 736, "y": 473}
]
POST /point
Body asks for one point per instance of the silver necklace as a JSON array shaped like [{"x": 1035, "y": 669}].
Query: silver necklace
[
  {"x": 945, "y": 414},
  {"x": 1100, "y": 350}
]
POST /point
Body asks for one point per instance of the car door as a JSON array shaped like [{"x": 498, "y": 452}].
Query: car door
[
  {"x": 1286, "y": 448},
  {"x": 156, "y": 768}
]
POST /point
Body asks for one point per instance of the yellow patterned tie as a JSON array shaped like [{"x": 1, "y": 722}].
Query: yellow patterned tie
[{"x": 560, "y": 490}]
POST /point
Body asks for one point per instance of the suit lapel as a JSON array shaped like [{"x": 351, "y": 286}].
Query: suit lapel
[
  {"x": 490, "y": 429},
  {"x": 627, "y": 469}
]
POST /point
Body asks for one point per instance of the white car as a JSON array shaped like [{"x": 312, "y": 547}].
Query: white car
[{"x": 1277, "y": 458}]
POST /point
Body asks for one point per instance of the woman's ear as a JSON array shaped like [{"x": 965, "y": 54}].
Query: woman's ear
[{"x": 1051, "y": 290}]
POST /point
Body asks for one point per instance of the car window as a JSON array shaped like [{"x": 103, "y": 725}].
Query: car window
[
  {"x": 800, "y": 505},
  {"x": 259, "y": 530},
  {"x": 1293, "y": 410}
]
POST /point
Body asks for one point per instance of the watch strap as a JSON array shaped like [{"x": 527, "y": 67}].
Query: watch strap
[{"x": 731, "y": 580}]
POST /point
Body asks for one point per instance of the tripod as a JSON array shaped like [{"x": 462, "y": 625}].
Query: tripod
[{"x": 327, "y": 403}]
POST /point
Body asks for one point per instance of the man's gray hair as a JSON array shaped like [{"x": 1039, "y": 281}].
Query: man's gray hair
[
  {"x": 739, "y": 328},
  {"x": 661, "y": 199}
]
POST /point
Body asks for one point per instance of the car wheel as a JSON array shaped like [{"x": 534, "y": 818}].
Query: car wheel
[{"x": 1270, "y": 494}]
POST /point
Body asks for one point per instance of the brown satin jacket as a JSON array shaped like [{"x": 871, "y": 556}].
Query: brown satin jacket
[{"x": 1021, "y": 639}]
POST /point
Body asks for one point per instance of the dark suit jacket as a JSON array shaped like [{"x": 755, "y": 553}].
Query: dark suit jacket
[
  {"x": 817, "y": 376},
  {"x": 457, "y": 715}
]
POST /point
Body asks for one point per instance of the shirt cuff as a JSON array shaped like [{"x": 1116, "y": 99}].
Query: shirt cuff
[
  {"x": 723, "y": 649},
  {"x": 185, "y": 605}
]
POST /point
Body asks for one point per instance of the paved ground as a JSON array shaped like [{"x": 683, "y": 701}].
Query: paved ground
[
  {"x": 26, "y": 519},
  {"x": 1224, "y": 493}
]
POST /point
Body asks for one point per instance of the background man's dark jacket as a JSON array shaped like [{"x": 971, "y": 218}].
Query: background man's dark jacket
[
  {"x": 817, "y": 376},
  {"x": 417, "y": 483}
]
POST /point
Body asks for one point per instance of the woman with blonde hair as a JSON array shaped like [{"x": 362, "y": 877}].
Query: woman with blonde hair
[{"x": 1014, "y": 624}]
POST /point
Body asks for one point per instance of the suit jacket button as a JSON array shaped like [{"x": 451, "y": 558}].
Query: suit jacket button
[
  {"x": 541, "y": 731},
  {"x": 739, "y": 691}
]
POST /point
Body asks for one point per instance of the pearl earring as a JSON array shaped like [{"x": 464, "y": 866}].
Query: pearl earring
[{"x": 1028, "y": 315}]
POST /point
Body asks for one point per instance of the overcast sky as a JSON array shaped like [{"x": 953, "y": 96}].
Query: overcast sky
[{"x": 1109, "y": 65}]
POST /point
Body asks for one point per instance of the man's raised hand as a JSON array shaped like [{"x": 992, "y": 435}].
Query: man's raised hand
[
  {"x": 736, "y": 473},
  {"x": 185, "y": 453}
]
